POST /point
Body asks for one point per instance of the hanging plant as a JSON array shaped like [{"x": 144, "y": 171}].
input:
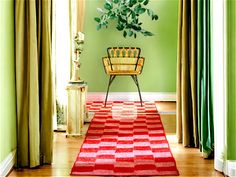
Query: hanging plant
[{"x": 127, "y": 13}]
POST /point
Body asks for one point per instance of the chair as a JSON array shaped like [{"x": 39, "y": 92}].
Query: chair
[{"x": 123, "y": 61}]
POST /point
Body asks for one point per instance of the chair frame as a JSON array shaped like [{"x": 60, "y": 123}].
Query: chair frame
[{"x": 133, "y": 76}]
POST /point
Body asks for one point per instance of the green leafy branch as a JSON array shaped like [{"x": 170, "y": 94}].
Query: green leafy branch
[{"x": 127, "y": 13}]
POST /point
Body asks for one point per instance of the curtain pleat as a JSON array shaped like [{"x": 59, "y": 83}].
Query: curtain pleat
[
  {"x": 47, "y": 101},
  {"x": 194, "y": 92},
  {"x": 186, "y": 75},
  {"x": 34, "y": 82},
  {"x": 205, "y": 112}
]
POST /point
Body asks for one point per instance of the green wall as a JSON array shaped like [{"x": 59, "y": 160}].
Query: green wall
[
  {"x": 7, "y": 80},
  {"x": 231, "y": 80},
  {"x": 160, "y": 51}
]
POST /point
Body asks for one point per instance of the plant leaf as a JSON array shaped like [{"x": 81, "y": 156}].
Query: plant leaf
[
  {"x": 99, "y": 26},
  {"x": 100, "y": 10},
  {"x": 113, "y": 16},
  {"x": 104, "y": 23},
  {"x": 120, "y": 27},
  {"x": 145, "y": 2},
  {"x": 116, "y": 1},
  {"x": 125, "y": 34},
  {"x": 107, "y": 1},
  {"x": 127, "y": 13},
  {"x": 136, "y": 27},
  {"x": 155, "y": 17},
  {"x": 107, "y": 6},
  {"x": 147, "y": 33},
  {"x": 130, "y": 33},
  {"x": 133, "y": 15},
  {"x": 123, "y": 7},
  {"x": 121, "y": 19},
  {"x": 97, "y": 19},
  {"x": 137, "y": 7},
  {"x": 141, "y": 10},
  {"x": 133, "y": 2}
]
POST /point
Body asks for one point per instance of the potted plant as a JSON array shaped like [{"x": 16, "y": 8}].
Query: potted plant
[{"x": 126, "y": 13}]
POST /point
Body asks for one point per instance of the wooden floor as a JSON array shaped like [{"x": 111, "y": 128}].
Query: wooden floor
[{"x": 189, "y": 160}]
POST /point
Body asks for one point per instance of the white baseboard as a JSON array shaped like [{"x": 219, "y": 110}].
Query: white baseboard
[
  {"x": 231, "y": 168},
  {"x": 219, "y": 164},
  {"x": 7, "y": 164},
  {"x": 228, "y": 167},
  {"x": 132, "y": 96}
]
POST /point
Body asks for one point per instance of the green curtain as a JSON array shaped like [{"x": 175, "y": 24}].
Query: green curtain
[
  {"x": 34, "y": 82},
  {"x": 187, "y": 132},
  {"x": 204, "y": 90}
]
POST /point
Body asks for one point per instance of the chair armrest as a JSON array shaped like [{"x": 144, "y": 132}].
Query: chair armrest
[
  {"x": 107, "y": 64},
  {"x": 139, "y": 65}
]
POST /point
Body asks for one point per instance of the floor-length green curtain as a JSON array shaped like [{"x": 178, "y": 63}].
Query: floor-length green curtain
[
  {"x": 34, "y": 82},
  {"x": 205, "y": 112},
  {"x": 186, "y": 74}
]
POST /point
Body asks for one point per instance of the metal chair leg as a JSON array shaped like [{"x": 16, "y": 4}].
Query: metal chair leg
[
  {"x": 112, "y": 77},
  {"x": 135, "y": 78}
]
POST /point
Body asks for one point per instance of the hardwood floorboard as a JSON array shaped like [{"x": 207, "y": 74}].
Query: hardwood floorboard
[
  {"x": 189, "y": 160},
  {"x": 165, "y": 106}
]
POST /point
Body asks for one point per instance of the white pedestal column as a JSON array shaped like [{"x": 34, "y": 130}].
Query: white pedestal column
[{"x": 76, "y": 108}]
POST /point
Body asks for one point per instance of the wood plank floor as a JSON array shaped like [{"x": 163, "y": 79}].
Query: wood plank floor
[{"x": 189, "y": 160}]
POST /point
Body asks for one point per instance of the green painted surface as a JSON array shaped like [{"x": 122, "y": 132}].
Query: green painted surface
[
  {"x": 7, "y": 80},
  {"x": 160, "y": 50},
  {"x": 231, "y": 80}
]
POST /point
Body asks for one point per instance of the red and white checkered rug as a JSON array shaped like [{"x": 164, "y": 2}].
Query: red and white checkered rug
[
  {"x": 125, "y": 144},
  {"x": 121, "y": 106}
]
